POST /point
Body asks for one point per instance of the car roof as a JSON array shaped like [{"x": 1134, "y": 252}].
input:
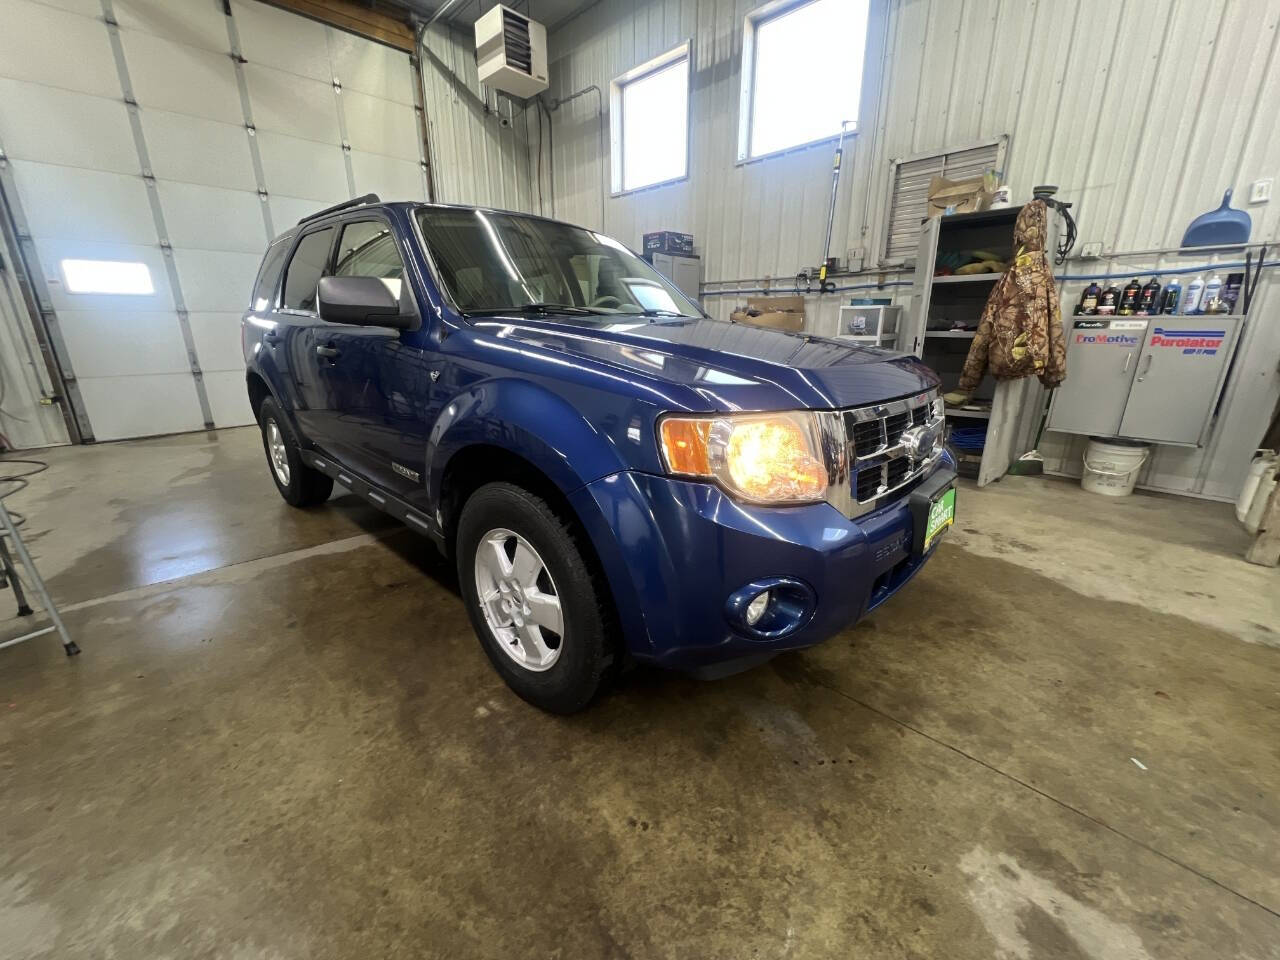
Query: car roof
[{"x": 342, "y": 211}]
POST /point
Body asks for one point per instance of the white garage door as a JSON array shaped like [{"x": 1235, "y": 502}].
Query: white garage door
[{"x": 166, "y": 133}]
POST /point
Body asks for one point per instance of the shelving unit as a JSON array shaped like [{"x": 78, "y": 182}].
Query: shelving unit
[
  {"x": 968, "y": 278},
  {"x": 1013, "y": 407}
]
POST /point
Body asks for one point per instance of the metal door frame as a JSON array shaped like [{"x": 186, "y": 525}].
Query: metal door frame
[{"x": 20, "y": 250}]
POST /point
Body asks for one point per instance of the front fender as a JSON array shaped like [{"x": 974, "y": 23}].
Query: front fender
[{"x": 528, "y": 420}]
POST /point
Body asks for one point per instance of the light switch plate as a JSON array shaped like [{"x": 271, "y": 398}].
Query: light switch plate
[
  {"x": 1260, "y": 191},
  {"x": 1091, "y": 249}
]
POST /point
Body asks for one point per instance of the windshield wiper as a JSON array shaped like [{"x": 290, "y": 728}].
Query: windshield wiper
[{"x": 544, "y": 308}]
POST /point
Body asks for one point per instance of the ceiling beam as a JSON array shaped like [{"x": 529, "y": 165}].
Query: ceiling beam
[{"x": 385, "y": 23}]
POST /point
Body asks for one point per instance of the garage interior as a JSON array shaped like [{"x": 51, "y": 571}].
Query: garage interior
[{"x": 281, "y": 737}]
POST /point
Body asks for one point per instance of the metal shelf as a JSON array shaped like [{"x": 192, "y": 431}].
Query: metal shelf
[
  {"x": 960, "y": 412},
  {"x": 969, "y": 278},
  {"x": 952, "y": 334}
]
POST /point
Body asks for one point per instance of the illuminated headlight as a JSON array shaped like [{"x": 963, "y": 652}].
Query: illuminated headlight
[{"x": 764, "y": 458}]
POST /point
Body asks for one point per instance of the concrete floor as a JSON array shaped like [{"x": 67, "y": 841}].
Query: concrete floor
[{"x": 282, "y": 740}]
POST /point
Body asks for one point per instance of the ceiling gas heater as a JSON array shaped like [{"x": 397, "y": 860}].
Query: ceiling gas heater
[{"x": 511, "y": 52}]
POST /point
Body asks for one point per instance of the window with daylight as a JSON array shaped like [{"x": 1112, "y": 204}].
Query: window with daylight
[
  {"x": 107, "y": 276},
  {"x": 649, "y": 116},
  {"x": 801, "y": 73}
]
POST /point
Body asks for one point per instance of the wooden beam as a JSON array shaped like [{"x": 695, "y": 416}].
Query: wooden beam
[{"x": 373, "y": 24}]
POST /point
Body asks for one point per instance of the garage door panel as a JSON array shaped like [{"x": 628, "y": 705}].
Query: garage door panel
[
  {"x": 211, "y": 218},
  {"x": 53, "y": 251},
  {"x": 228, "y": 398},
  {"x": 381, "y": 126},
  {"x": 293, "y": 105},
  {"x": 70, "y": 203},
  {"x": 389, "y": 178},
  {"x": 196, "y": 150},
  {"x": 287, "y": 211},
  {"x": 199, "y": 23},
  {"x": 175, "y": 77},
  {"x": 117, "y": 343},
  {"x": 141, "y": 406},
  {"x": 217, "y": 340},
  {"x": 217, "y": 281},
  {"x": 302, "y": 168},
  {"x": 282, "y": 39},
  {"x": 63, "y": 126},
  {"x": 372, "y": 68},
  {"x": 80, "y": 60},
  {"x": 87, "y": 8}
]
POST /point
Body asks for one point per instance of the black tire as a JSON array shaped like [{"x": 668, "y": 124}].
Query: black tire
[
  {"x": 307, "y": 486},
  {"x": 588, "y": 649}
]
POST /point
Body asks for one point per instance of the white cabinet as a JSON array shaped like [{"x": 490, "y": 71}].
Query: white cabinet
[{"x": 684, "y": 272}]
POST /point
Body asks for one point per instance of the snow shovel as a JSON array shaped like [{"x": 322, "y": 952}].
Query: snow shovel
[{"x": 1223, "y": 227}]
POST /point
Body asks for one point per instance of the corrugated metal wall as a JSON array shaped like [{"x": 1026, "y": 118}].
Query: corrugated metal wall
[
  {"x": 480, "y": 139},
  {"x": 1143, "y": 112}
]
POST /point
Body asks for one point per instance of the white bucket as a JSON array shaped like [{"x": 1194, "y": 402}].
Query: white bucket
[{"x": 1111, "y": 469}]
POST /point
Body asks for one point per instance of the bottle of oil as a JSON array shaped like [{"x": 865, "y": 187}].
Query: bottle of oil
[
  {"x": 1107, "y": 301},
  {"x": 1089, "y": 300},
  {"x": 1172, "y": 293},
  {"x": 1149, "y": 299},
  {"x": 1128, "y": 304}
]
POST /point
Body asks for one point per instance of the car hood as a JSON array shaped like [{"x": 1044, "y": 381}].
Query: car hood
[{"x": 732, "y": 366}]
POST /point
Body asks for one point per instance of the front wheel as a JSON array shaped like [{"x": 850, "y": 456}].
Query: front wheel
[
  {"x": 299, "y": 484},
  {"x": 541, "y": 615}
]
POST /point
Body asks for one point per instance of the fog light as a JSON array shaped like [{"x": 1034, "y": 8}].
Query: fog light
[
  {"x": 757, "y": 607},
  {"x": 770, "y": 608}
]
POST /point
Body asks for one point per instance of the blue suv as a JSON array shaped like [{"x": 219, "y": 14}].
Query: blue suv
[{"x": 618, "y": 476}]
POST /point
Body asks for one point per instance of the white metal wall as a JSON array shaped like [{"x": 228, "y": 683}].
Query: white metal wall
[
  {"x": 1142, "y": 112},
  {"x": 237, "y": 148},
  {"x": 480, "y": 140}
]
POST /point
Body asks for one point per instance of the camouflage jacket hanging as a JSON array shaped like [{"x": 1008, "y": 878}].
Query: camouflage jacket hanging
[{"x": 1020, "y": 332}]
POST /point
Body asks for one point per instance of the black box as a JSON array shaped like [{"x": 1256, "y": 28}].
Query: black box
[{"x": 668, "y": 241}]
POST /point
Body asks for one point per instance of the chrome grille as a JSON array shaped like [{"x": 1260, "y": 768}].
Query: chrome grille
[{"x": 879, "y": 462}]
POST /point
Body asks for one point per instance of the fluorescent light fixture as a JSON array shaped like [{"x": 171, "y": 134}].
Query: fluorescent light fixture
[{"x": 107, "y": 276}]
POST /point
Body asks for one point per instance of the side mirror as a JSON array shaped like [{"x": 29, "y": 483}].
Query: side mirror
[{"x": 363, "y": 301}]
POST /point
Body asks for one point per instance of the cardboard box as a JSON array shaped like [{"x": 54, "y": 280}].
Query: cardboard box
[
  {"x": 780, "y": 313},
  {"x": 966, "y": 196}
]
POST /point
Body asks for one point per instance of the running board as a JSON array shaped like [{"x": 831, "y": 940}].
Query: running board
[{"x": 387, "y": 502}]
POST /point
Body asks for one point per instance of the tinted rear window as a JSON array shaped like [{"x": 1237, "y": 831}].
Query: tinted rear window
[
  {"x": 306, "y": 268},
  {"x": 264, "y": 290}
]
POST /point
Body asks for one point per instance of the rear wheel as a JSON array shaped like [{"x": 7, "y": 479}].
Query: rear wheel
[
  {"x": 299, "y": 484},
  {"x": 539, "y": 612}
]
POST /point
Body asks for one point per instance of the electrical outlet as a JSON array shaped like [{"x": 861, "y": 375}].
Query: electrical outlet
[
  {"x": 1092, "y": 249},
  {"x": 1260, "y": 191}
]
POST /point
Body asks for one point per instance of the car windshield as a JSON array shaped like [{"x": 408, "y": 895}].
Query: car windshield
[{"x": 503, "y": 262}]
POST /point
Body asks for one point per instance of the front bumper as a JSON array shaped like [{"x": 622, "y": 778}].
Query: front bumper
[{"x": 677, "y": 549}]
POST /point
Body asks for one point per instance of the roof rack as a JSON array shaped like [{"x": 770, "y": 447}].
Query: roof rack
[{"x": 345, "y": 205}]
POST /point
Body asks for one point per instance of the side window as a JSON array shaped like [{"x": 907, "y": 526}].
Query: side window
[
  {"x": 367, "y": 249},
  {"x": 264, "y": 290},
  {"x": 305, "y": 270}
]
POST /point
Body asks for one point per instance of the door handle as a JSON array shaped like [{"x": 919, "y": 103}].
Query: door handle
[
  {"x": 328, "y": 352},
  {"x": 1128, "y": 358},
  {"x": 1145, "y": 369}
]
